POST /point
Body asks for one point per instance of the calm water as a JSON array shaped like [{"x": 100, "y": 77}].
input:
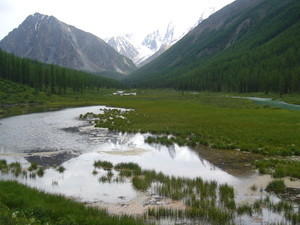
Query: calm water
[
  {"x": 23, "y": 137},
  {"x": 55, "y": 131},
  {"x": 273, "y": 103}
]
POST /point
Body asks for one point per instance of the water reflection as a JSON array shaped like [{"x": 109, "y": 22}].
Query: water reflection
[{"x": 64, "y": 134}]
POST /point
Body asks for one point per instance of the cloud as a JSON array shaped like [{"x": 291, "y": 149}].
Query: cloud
[{"x": 107, "y": 17}]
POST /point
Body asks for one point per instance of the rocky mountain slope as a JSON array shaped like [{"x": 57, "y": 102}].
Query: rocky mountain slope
[{"x": 46, "y": 39}]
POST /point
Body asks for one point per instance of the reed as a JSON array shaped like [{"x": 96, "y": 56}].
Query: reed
[
  {"x": 40, "y": 172},
  {"x": 103, "y": 164},
  {"x": 60, "y": 169},
  {"x": 33, "y": 166},
  {"x": 276, "y": 186}
]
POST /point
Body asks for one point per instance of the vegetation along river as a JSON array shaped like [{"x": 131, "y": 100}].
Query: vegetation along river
[{"x": 67, "y": 147}]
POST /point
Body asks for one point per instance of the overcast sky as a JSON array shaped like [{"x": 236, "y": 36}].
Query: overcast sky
[{"x": 106, "y": 18}]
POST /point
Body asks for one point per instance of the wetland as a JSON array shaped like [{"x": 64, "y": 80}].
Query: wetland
[{"x": 68, "y": 146}]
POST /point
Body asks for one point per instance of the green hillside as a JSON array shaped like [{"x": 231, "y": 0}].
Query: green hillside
[{"x": 248, "y": 46}]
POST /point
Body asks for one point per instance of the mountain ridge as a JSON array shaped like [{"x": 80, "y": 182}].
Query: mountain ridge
[
  {"x": 235, "y": 49},
  {"x": 46, "y": 39}
]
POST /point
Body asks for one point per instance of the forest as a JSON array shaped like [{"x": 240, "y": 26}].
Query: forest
[{"x": 50, "y": 78}]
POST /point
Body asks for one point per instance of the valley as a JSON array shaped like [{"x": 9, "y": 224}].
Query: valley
[{"x": 194, "y": 126}]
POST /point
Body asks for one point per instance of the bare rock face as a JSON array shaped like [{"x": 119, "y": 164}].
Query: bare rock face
[{"x": 46, "y": 39}]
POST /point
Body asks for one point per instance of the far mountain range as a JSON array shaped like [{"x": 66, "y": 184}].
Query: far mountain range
[
  {"x": 46, "y": 39},
  {"x": 144, "y": 50}
]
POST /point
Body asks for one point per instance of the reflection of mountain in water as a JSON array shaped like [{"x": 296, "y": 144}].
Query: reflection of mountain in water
[{"x": 172, "y": 151}]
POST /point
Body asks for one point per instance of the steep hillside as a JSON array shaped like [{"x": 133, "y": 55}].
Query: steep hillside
[
  {"x": 249, "y": 45},
  {"x": 46, "y": 39}
]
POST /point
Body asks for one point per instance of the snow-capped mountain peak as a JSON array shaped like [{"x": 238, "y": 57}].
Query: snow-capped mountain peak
[{"x": 154, "y": 43}]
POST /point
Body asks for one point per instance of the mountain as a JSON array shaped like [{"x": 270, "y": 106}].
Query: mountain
[
  {"x": 247, "y": 46},
  {"x": 123, "y": 46},
  {"x": 144, "y": 50},
  {"x": 46, "y": 39}
]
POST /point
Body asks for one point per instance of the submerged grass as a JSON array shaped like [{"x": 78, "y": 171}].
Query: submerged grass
[
  {"x": 199, "y": 196},
  {"x": 16, "y": 169},
  {"x": 205, "y": 201}
]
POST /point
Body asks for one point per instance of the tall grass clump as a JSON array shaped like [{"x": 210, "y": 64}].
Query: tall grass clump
[
  {"x": 226, "y": 194},
  {"x": 276, "y": 186},
  {"x": 103, "y": 164}
]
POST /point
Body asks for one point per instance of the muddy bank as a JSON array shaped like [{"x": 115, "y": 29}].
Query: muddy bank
[
  {"x": 139, "y": 205},
  {"x": 234, "y": 162},
  {"x": 45, "y": 158}
]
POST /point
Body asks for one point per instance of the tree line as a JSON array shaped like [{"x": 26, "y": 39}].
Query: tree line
[{"x": 50, "y": 78}]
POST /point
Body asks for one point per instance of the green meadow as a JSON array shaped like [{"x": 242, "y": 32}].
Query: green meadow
[{"x": 212, "y": 119}]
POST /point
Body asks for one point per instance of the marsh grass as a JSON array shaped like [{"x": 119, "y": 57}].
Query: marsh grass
[
  {"x": 16, "y": 169},
  {"x": 279, "y": 168},
  {"x": 61, "y": 169},
  {"x": 33, "y": 166},
  {"x": 103, "y": 164},
  {"x": 40, "y": 172},
  {"x": 276, "y": 186},
  {"x": 205, "y": 201},
  {"x": 199, "y": 196},
  {"x": 35, "y": 207}
]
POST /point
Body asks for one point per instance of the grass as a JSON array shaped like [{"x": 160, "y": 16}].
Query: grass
[
  {"x": 199, "y": 196},
  {"x": 103, "y": 164},
  {"x": 276, "y": 186},
  {"x": 16, "y": 169},
  {"x": 206, "y": 201},
  {"x": 35, "y": 207},
  {"x": 279, "y": 168},
  {"x": 60, "y": 169}
]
